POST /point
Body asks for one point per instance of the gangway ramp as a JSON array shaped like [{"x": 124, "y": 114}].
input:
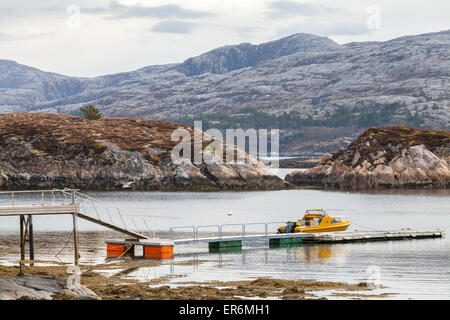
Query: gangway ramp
[{"x": 29, "y": 203}]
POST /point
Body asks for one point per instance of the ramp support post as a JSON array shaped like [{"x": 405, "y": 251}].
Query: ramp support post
[
  {"x": 31, "y": 238},
  {"x": 22, "y": 245},
  {"x": 75, "y": 239}
]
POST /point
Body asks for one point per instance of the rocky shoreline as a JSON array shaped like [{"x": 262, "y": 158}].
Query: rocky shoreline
[
  {"x": 298, "y": 163},
  {"x": 395, "y": 157},
  {"x": 51, "y": 283},
  {"x": 42, "y": 151},
  {"x": 41, "y": 287}
]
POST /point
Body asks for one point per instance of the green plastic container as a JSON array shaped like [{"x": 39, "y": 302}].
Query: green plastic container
[
  {"x": 225, "y": 244},
  {"x": 284, "y": 242}
]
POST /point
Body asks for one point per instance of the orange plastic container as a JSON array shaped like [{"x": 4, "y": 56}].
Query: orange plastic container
[
  {"x": 158, "y": 252},
  {"x": 119, "y": 250}
]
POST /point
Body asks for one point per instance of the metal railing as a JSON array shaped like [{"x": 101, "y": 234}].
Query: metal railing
[
  {"x": 220, "y": 229},
  {"x": 69, "y": 196},
  {"x": 98, "y": 211},
  {"x": 111, "y": 215}
]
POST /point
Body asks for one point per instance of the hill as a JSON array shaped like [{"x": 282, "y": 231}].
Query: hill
[
  {"x": 40, "y": 151},
  {"x": 395, "y": 157}
]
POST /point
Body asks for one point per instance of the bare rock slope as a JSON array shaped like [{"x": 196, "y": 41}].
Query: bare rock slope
[
  {"x": 54, "y": 151},
  {"x": 395, "y": 157},
  {"x": 41, "y": 287}
]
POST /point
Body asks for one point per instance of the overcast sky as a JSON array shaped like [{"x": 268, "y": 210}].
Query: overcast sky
[{"x": 96, "y": 37}]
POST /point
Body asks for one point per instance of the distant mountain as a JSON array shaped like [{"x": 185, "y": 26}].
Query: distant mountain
[
  {"x": 229, "y": 58},
  {"x": 358, "y": 85},
  {"x": 23, "y": 87}
]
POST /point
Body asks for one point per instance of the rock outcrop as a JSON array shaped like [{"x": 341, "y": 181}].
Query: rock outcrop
[
  {"x": 396, "y": 157},
  {"x": 41, "y": 287},
  {"x": 55, "y": 151}
]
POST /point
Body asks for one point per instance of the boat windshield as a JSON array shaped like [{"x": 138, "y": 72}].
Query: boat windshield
[
  {"x": 311, "y": 222},
  {"x": 322, "y": 213}
]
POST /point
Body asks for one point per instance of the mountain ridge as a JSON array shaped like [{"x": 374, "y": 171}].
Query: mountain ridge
[
  {"x": 248, "y": 55},
  {"x": 312, "y": 76}
]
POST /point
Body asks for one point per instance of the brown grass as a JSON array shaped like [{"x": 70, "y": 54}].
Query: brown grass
[
  {"x": 53, "y": 133},
  {"x": 402, "y": 136},
  {"x": 68, "y": 136}
]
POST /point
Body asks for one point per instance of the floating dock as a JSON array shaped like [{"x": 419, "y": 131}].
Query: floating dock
[
  {"x": 366, "y": 236},
  {"x": 163, "y": 248}
]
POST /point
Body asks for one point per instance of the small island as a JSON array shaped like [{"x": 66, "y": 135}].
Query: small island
[
  {"x": 46, "y": 151},
  {"x": 391, "y": 157}
]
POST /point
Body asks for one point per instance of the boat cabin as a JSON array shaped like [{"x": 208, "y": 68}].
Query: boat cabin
[{"x": 315, "y": 221}]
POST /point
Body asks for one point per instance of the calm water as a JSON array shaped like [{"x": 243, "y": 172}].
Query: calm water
[{"x": 410, "y": 269}]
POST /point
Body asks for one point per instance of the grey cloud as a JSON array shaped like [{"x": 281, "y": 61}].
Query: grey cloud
[
  {"x": 174, "y": 26},
  {"x": 116, "y": 10},
  {"x": 281, "y": 9},
  {"x": 120, "y": 11},
  {"x": 26, "y": 8}
]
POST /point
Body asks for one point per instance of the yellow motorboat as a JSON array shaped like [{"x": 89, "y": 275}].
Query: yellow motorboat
[{"x": 315, "y": 221}]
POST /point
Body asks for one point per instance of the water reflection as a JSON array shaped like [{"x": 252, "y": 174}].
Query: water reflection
[
  {"x": 187, "y": 264},
  {"x": 323, "y": 254}
]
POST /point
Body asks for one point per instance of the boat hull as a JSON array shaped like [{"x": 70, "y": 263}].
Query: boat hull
[{"x": 340, "y": 227}]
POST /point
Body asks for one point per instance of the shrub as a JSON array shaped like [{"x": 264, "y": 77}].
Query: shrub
[{"x": 91, "y": 112}]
